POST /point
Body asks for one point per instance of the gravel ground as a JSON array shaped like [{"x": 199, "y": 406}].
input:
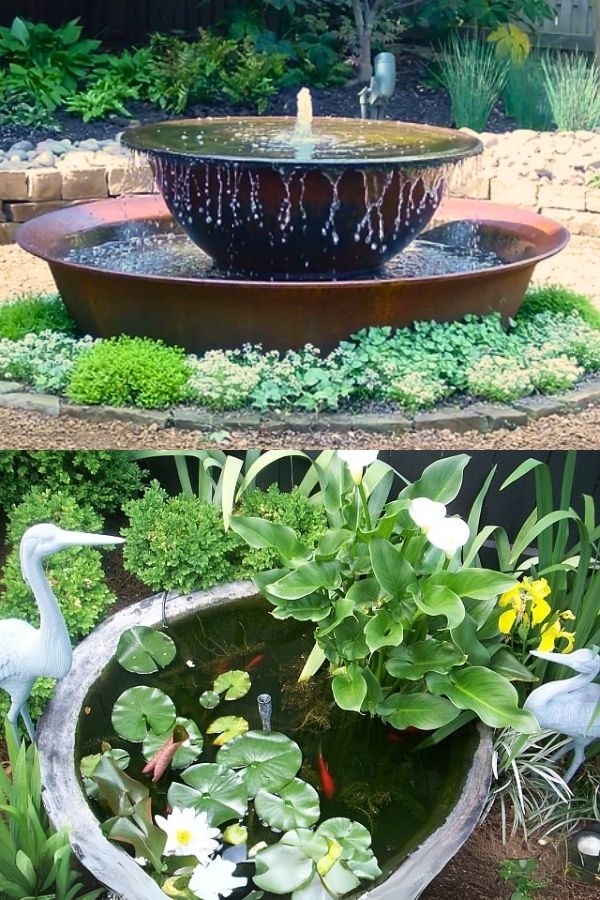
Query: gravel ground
[{"x": 27, "y": 431}]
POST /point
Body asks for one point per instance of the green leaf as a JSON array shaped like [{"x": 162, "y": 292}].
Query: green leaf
[
  {"x": 465, "y": 637},
  {"x": 228, "y": 728},
  {"x": 144, "y": 650},
  {"x": 350, "y": 688},
  {"x": 365, "y": 592},
  {"x": 142, "y": 709},
  {"x": 209, "y": 699},
  {"x": 479, "y": 584},
  {"x": 295, "y": 806},
  {"x": 211, "y": 788},
  {"x": 354, "y": 838},
  {"x": 235, "y": 684},
  {"x": 383, "y": 631},
  {"x": 121, "y": 792},
  {"x": 392, "y": 571},
  {"x": 307, "y": 578},
  {"x": 348, "y": 640},
  {"x": 488, "y": 694},
  {"x": 414, "y": 662},
  {"x": 183, "y": 757},
  {"x": 283, "y": 868},
  {"x": 343, "y": 609},
  {"x": 440, "y": 481},
  {"x": 374, "y": 692},
  {"x": 267, "y": 759},
  {"x": 505, "y": 663},
  {"x": 333, "y": 541},
  {"x": 262, "y": 534},
  {"x": 438, "y": 600},
  {"x": 313, "y": 608},
  {"x": 419, "y": 710}
]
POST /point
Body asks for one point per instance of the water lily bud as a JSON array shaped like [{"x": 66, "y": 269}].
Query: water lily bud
[
  {"x": 357, "y": 461},
  {"x": 235, "y": 835}
]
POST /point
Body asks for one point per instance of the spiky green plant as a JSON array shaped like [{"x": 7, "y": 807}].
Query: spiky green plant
[
  {"x": 573, "y": 88},
  {"x": 474, "y": 77},
  {"x": 525, "y": 95}
]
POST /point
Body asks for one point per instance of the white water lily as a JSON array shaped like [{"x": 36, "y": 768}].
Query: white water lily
[
  {"x": 447, "y": 534},
  {"x": 209, "y": 882},
  {"x": 189, "y": 834},
  {"x": 357, "y": 461}
]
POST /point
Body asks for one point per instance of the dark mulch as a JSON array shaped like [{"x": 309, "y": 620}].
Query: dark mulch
[{"x": 417, "y": 99}]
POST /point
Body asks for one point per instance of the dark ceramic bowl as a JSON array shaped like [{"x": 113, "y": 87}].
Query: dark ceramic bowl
[{"x": 256, "y": 197}]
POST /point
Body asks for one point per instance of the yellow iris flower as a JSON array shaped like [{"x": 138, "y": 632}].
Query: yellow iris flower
[
  {"x": 554, "y": 632},
  {"x": 526, "y": 603}
]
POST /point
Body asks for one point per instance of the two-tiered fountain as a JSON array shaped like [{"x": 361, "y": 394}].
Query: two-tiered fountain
[{"x": 282, "y": 232}]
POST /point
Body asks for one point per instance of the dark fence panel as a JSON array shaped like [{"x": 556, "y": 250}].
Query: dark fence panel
[{"x": 120, "y": 20}]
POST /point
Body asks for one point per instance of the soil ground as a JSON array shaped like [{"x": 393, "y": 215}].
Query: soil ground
[{"x": 417, "y": 99}]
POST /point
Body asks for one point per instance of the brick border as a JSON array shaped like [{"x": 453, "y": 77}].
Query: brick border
[{"x": 482, "y": 417}]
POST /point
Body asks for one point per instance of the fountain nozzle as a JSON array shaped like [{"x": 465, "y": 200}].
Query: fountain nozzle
[
  {"x": 265, "y": 710},
  {"x": 373, "y": 99}
]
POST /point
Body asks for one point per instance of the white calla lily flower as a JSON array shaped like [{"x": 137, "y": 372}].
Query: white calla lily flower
[
  {"x": 215, "y": 880},
  {"x": 448, "y": 535},
  {"x": 189, "y": 834},
  {"x": 425, "y": 512},
  {"x": 357, "y": 461}
]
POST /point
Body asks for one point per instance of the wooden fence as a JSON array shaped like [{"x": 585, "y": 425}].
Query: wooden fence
[
  {"x": 509, "y": 508},
  {"x": 132, "y": 20}
]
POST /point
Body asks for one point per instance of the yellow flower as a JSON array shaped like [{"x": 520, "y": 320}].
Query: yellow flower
[
  {"x": 526, "y": 602},
  {"x": 554, "y": 632}
]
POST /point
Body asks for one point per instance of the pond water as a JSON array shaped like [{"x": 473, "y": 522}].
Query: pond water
[
  {"x": 151, "y": 248},
  {"x": 381, "y": 779}
]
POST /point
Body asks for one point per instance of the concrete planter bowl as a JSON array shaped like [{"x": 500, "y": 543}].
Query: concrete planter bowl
[{"x": 67, "y": 805}]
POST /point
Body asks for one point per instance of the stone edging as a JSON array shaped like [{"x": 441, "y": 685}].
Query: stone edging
[{"x": 482, "y": 417}]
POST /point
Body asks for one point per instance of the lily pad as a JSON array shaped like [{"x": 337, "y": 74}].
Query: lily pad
[
  {"x": 295, "y": 806},
  {"x": 353, "y": 837},
  {"x": 234, "y": 684},
  {"x": 144, "y": 650},
  {"x": 227, "y": 728},
  {"x": 209, "y": 699},
  {"x": 142, "y": 709},
  {"x": 186, "y": 755},
  {"x": 267, "y": 759},
  {"x": 214, "y": 789}
]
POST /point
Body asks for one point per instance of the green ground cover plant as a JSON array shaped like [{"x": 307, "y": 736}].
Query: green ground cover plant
[
  {"x": 550, "y": 346},
  {"x": 34, "y": 315}
]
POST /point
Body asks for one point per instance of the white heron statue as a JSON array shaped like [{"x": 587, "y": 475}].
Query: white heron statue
[
  {"x": 27, "y": 653},
  {"x": 568, "y": 706}
]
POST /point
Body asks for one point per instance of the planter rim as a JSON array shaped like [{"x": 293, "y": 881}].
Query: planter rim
[{"x": 67, "y": 806}]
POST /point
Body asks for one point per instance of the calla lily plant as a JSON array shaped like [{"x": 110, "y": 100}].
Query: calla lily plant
[{"x": 405, "y": 617}]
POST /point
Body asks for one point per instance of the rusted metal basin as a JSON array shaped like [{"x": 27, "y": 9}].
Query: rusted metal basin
[
  {"x": 207, "y": 313},
  {"x": 257, "y": 198}
]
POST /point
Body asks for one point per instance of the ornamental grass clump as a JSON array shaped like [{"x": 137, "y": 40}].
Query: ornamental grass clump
[
  {"x": 474, "y": 76},
  {"x": 129, "y": 371},
  {"x": 573, "y": 88}
]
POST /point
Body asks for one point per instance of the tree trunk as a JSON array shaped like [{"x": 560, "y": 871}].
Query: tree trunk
[{"x": 364, "y": 34}]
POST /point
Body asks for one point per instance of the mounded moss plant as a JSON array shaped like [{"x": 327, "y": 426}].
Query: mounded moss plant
[
  {"x": 559, "y": 300},
  {"x": 128, "y": 371},
  {"x": 34, "y": 314}
]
